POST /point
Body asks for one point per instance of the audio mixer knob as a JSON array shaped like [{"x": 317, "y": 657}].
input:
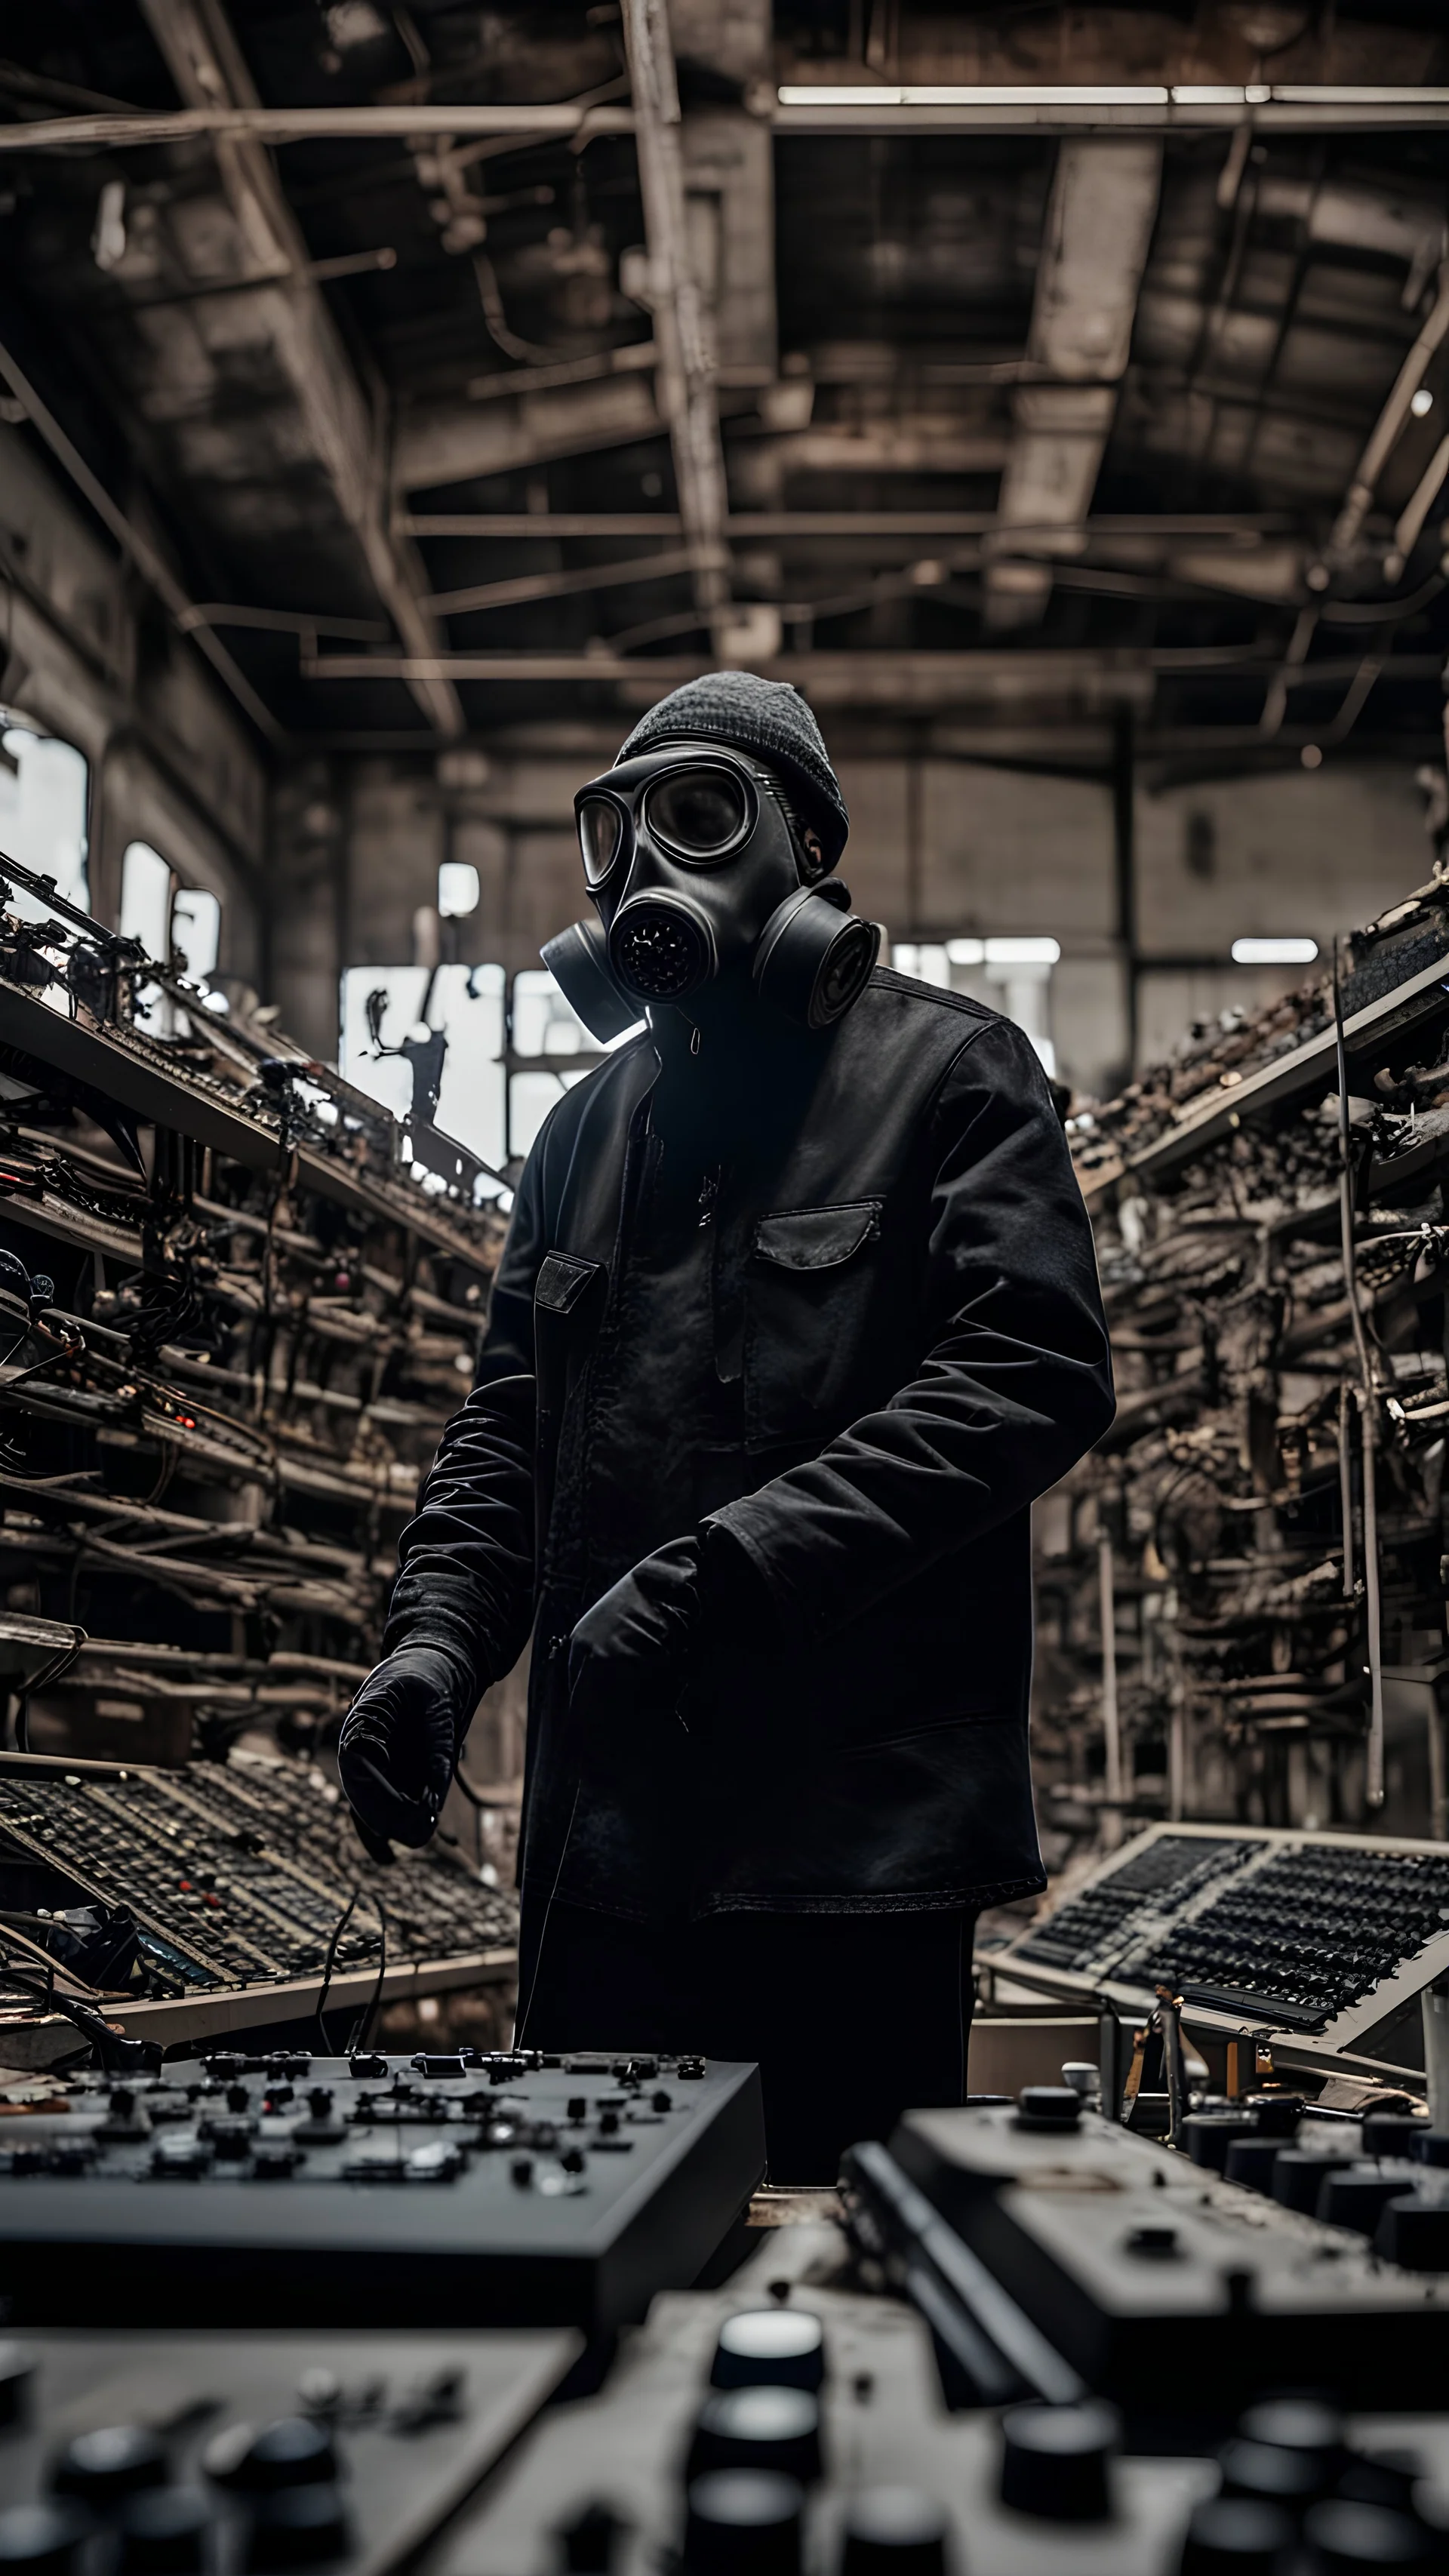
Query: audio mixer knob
[
  {"x": 42, "y": 2539},
  {"x": 298, "y": 2527},
  {"x": 100, "y": 2468},
  {"x": 894, "y": 2531},
  {"x": 1298, "y": 2176},
  {"x": 758, "y": 2428},
  {"x": 164, "y": 2531},
  {"x": 1055, "y": 2460},
  {"x": 1253, "y": 2162},
  {"x": 1272, "y": 2473},
  {"x": 1344, "y": 2537},
  {"x": 779, "y": 2347},
  {"x": 745, "y": 2520},
  {"x": 1236, "y": 2536},
  {"x": 1415, "y": 2232},
  {"x": 296, "y": 2451},
  {"x": 1358, "y": 2197},
  {"x": 1048, "y": 2106}
]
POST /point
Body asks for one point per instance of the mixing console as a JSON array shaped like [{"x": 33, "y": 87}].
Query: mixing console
[
  {"x": 167, "y": 2455},
  {"x": 236, "y": 1873},
  {"x": 1327, "y": 1938},
  {"x": 517, "y": 2189}
]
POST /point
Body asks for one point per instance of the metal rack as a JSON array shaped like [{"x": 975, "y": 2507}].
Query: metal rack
[
  {"x": 1241, "y": 1603},
  {"x": 233, "y": 1321}
]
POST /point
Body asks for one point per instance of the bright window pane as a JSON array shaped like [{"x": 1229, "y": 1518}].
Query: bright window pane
[
  {"x": 146, "y": 900},
  {"x": 467, "y": 1004},
  {"x": 196, "y": 930},
  {"x": 43, "y": 815}
]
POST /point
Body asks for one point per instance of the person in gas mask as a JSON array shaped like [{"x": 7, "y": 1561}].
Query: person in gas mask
[{"x": 797, "y": 1314}]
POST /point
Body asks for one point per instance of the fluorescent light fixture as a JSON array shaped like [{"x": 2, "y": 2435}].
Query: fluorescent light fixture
[
  {"x": 1274, "y": 952},
  {"x": 1022, "y": 952},
  {"x": 966, "y": 952},
  {"x": 1421, "y": 403},
  {"x": 961, "y": 94}
]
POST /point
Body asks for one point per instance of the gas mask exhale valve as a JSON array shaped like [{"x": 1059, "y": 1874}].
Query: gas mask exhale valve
[{"x": 703, "y": 878}]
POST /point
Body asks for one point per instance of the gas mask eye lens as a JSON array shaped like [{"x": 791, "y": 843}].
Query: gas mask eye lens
[
  {"x": 601, "y": 829},
  {"x": 698, "y": 814}
]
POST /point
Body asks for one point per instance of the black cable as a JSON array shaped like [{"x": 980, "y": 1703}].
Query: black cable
[
  {"x": 330, "y": 1963},
  {"x": 363, "y": 2030}
]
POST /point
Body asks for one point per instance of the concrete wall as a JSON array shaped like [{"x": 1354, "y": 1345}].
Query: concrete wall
[
  {"x": 86, "y": 654},
  {"x": 938, "y": 848}
]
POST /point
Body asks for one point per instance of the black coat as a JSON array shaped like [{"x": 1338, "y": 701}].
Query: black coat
[{"x": 840, "y": 1307}]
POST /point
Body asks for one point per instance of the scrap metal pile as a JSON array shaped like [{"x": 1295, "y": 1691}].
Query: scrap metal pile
[
  {"x": 233, "y": 1320},
  {"x": 1241, "y": 1593}
]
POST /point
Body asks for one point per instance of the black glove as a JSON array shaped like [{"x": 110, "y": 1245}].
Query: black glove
[
  {"x": 636, "y": 1643},
  {"x": 398, "y": 1744}
]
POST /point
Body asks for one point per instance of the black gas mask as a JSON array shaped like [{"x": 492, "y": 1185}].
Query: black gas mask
[{"x": 704, "y": 878}]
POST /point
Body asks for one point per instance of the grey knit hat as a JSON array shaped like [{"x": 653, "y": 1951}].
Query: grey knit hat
[{"x": 766, "y": 717}]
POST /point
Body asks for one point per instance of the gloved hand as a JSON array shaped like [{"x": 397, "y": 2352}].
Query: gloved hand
[
  {"x": 398, "y": 1743},
  {"x": 636, "y": 1642}
]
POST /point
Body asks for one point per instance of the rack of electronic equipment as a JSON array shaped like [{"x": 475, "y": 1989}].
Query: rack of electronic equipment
[
  {"x": 1241, "y": 1591},
  {"x": 238, "y": 1301}
]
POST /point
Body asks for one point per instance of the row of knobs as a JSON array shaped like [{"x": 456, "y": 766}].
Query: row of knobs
[
  {"x": 1289, "y": 2484},
  {"x": 756, "y": 2451},
  {"x": 117, "y": 2478}
]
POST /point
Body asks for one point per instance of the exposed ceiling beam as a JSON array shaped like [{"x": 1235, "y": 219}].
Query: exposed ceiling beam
[
  {"x": 442, "y": 443},
  {"x": 1227, "y": 527},
  {"x": 806, "y": 108},
  {"x": 208, "y": 68},
  {"x": 524, "y": 587},
  {"x": 1098, "y": 229},
  {"x": 683, "y": 333},
  {"x": 251, "y": 122},
  {"x": 1085, "y": 675}
]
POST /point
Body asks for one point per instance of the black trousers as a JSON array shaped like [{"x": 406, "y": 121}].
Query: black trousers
[{"x": 852, "y": 2018}]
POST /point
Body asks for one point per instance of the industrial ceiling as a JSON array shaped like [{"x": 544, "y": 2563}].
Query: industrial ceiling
[{"x": 1019, "y": 378}]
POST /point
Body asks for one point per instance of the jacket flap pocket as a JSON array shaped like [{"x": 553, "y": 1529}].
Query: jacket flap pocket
[
  {"x": 562, "y": 1281},
  {"x": 817, "y": 1238}
]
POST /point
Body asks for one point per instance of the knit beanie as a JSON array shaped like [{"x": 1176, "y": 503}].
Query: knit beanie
[{"x": 766, "y": 717}]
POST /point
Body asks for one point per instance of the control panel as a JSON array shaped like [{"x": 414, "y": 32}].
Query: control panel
[
  {"x": 1325, "y": 1939},
  {"x": 464, "y": 2189},
  {"x": 238, "y": 2455}
]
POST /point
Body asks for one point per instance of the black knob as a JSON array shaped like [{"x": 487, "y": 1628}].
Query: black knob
[
  {"x": 894, "y": 2531},
  {"x": 758, "y": 2428},
  {"x": 1343, "y": 2537},
  {"x": 102, "y": 2467},
  {"x": 1048, "y": 2106},
  {"x": 1277, "y": 2114},
  {"x": 578, "y": 2108},
  {"x": 1236, "y": 2536},
  {"x": 770, "y": 2347},
  {"x": 1252, "y": 2161},
  {"x": 238, "y": 2098},
  {"x": 319, "y": 2101},
  {"x": 298, "y": 2527},
  {"x": 1274, "y": 2474},
  {"x": 163, "y": 2532},
  {"x": 1358, "y": 2197},
  {"x": 1430, "y": 2147},
  {"x": 746, "y": 2520},
  {"x": 1054, "y": 2460},
  {"x": 521, "y": 2171},
  {"x": 589, "y": 2541},
  {"x": 1207, "y": 2135},
  {"x": 1391, "y": 2133},
  {"x": 1415, "y": 2232},
  {"x": 608, "y": 2123},
  {"x": 1298, "y": 2176},
  {"x": 1295, "y": 2424},
  {"x": 17, "y": 2370},
  {"x": 661, "y": 2101},
  {"x": 296, "y": 2451},
  {"x": 42, "y": 2539}
]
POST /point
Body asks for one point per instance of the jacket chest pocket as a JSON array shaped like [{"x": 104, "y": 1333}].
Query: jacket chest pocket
[
  {"x": 568, "y": 1302},
  {"x": 810, "y": 1283}
]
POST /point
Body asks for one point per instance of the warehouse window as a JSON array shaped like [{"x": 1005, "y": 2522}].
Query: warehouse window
[
  {"x": 43, "y": 813},
  {"x": 1013, "y": 975},
  {"x": 385, "y": 1049},
  {"x": 172, "y": 922}
]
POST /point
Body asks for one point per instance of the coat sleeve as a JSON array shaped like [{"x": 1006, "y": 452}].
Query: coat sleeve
[
  {"x": 1014, "y": 1384},
  {"x": 465, "y": 1560}
]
